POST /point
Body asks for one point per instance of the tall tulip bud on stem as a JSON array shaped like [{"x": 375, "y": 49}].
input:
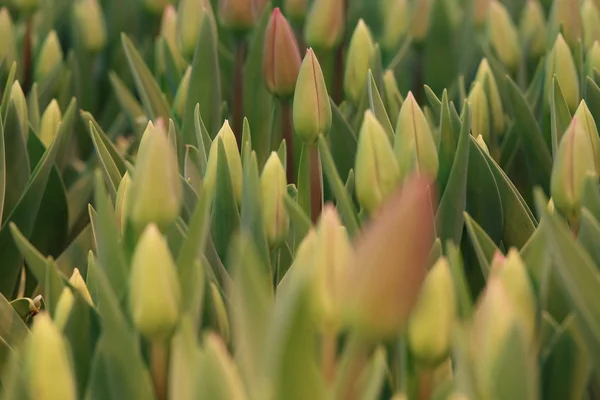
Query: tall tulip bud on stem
[
  {"x": 565, "y": 15},
  {"x": 232, "y": 152},
  {"x": 312, "y": 117},
  {"x": 481, "y": 118},
  {"x": 50, "y": 122},
  {"x": 49, "y": 57},
  {"x": 573, "y": 163},
  {"x": 89, "y": 21},
  {"x": 358, "y": 60},
  {"x": 592, "y": 60},
  {"x": 591, "y": 23},
  {"x": 532, "y": 28},
  {"x": 504, "y": 36},
  {"x": 561, "y": 63},
  {"x": 281, "y": 65},
  {"x": 584, "y": 115},
  {"x": 274, "y": 189},
  {"x": 190, "y": 14},
  {"x": 486, "y": 78},
  {"x": 8, "y": 47}
]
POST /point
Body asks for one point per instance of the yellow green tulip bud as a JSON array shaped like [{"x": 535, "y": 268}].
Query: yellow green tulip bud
[
  {"x": 281, "y": 56},
  {"x": 64, "y": 305},
  {"x": 154, "y": 292},
  {"x": 532, "y": 28},
  {"x": 480, "y": 12},
  {"x": 324, "y": 25},
  {"x": 122, "y": 200},
  {"x": 189, "y": 21},
  {"x": 274, "y": 189},
  {"x": 89, "y": 21},
  {"x": 357, "y": 63},
  {"x": 233, "y": 159},
  {"x": 481, "y": 142},
  {"x": 561, "y": 64},
  {"x": 47, "y": 362},
  {"x": 49, "y": 124},
  {"x": 156, "y": 192},
  {"x": 421, "y": 15},
  {"x": 574, "y": 161},
  {"x": 240, "y": 15},
  {"x": 489, "y": 85},
  {"x": 217, "y": 366},
  {"x": 584, "y": 116},
  {"x": 168, "y": 25},
  {"x": 395, "y": 24},
  {"x": 49, "y": 57},
  {"x": 392, "y": 94},
  {"x": 414, "y": 144},
  {"x": 295, "y": 9},
  {"x": 78, "y": 283},
  {"x": 503, "y": 34},
  {"x": 311, "y": 108},
  {"x": 376, "y": 169},
  {"x": 156, "y": 6},
  {"x": 17, "y": 97},
  {"x": 389, "y": 263},
  {"x": 480, "y": 121},
  {"x": 565, "y": 14},
  {"x": 590, "y": 18},
  {"x": 430, "y": 323},
  {"x": 304, "y": 258},
  {"x": 26, "y": 6},
  {"x": 8, "y": 48},
  {"x": 592, "y": 60},
  {"x": 181, "y": 95}
]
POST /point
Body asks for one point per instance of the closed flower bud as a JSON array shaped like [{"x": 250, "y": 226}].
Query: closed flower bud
[
  {"x": 233, "y": 159},
  {"x": 395, "y": 24},
  {"x": 154, "y": 292},
  {"x": 357, "y": 63},
  {"x": 122, "y": 200},
  {"x": 480, "y": 11},
  {"x": 17, "y": 97},
  {"x": 592, "y": 60},
  {"x": 480, "y": 121},
  {"x": 489, "y": 85},
  {"x": 532, "y": 28},
  {"x": 182, "y": 93},
  {"x": 376, "y": 169},
  {"x": 482, "y": 144},
  {"x": 312, "y": 110},
  {"x": 189, "y": 21},
  {"x": 574, "y": 161},
  {"x": 324, "y": 25},
  {"x": 49, "y": 124},
  {"x": 8, "y": 47},
  {"x": 274, "y": 189},
  {"x": 590, "y": 18},
  {"x": 414, "y": 144},
  {"x": 63, "y": 308},
  {"x": 78, "y": 283},
  {"x": 47, "y": 362},
  {"x": 503, "y": 35},
  {"x": 240, "y": 15},
  {"x": 156, "y": 192},
  {"x": 295, "y": 9},
  {"x": 168, "y": 25},
  {"x": 156, "y": 6},
  {"x": 392, "y": 94},
  {"x": 561, "y": 64},
  {"x": 281, "y": 57},
  {"x": 421, "y": 15},
  {"x": 49, "y": 57},
  {"x": 565, "y": 15},
  {"x": 389, "y": 263},
  {"x": 584, "y": 116},
  {"x": 430, "y": 323},
  {"x": 89, "y": 21}
]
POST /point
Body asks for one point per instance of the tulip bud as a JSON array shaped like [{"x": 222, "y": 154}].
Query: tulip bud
[
  {"x": 481, "y": 9},
  {"x": 274, "y": 189},
  {"x": 588, "y": 124},
  {"x": 592, "y": 60},
  {"x": 189, "y": 21},
  {"x": 573, "y": 162},
  {"x": 168, "y": 25},
  {"x": 561, "y": 64},
  {"x": 532, "y": 28},
  {"x": 122, "y": 200},
  {"x": 154, "y": 292},
  {"x": 240, "y": 15},
  {"x": 156, "y": 192},
  {"x": 492, "y": 94},
  {"x": 181, "y": 95},
  {"x": 565, "y": 14},
  {"x": 17, "y": 97},
  {"x": 89, "y": 21},
  {"x": 590, "y": 18},
  {"x": 430, "y": 323},
  {"x": 64, "y": 305},
  {"x": 233, "y": 159},
  {"x": 503, "y": 35},
  {"x": 281, "y": 57},
  {"x": 395, "y": 24},
  {"x": 47, "y": 362},
  {"x": 376, "y": 170},
  {"x": 295, "y": 9},
  {"x": 49, "y": 57},
  {"x": 78, "y": 283},
  {"x": 27, "y": 7},
  {"x": 421, "y": 15},
  {"x": 482, "y": 144},
  {"x": 312, "y": 110},
  {"x": 325, "y": 22},
  {"x": 389, "y": 263},
  {"x": 360, "y": 50},
  {"x": 156, "y": 6},
  {"x": 414, "y": 145},
  {"x": 8, "y": 48},
  {"x": 392, "y": 94},
  {"x": 480, "y": 121},
  {"x": 49, "y": 124}
]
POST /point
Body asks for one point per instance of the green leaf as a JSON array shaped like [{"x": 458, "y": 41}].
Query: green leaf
[
  {"x": 111, "y": 172},
  {"x": 63, "y": 158},
  {"x": 304, "y": 179},
  {"x": 559, "y": 114},
  {"x": 439, "y": 52},
  {"x": 590, "y": 197},
  {"x": 378, "y": 108},
  {"x": 184, "y": 353},
  {"x": 301, "y": 223},
  {"x": 202, "y": 138},
  {"x": 592, "y": 97},
  {"x": 116, "y": 157},
  {"x": 434, "y": 101},
  {"x": 484, "y": 246},
  {"x": 589, "y": 235},
  {"x": 373, "y": 377},
  {"x": 76, "y": 254},
  {"x": 463, "y": 295},
  {"x": 342, "y": 142},
  {"x": 127, "y": 100},
  {"x": 33, "y": 108},
  {"x": 12, "y": 330},
  {"x": 448, "y": 143},
  {"x": 152, "y": 98},
  {"x": 7, "y": 89}
]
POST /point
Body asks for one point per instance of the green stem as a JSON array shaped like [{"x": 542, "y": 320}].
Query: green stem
[
  {"x": 159, "y": 358},
  {"x": 316, "y": 183},
  {"x": 287, "y": 134}
]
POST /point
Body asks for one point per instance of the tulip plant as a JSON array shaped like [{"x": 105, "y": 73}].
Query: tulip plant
[{"x": 299, "y": 199}]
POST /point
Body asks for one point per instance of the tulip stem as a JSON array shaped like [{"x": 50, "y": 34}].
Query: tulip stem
[
  {"x": 328, "y": 355},
  {"x": 287, "y": 133},
  {"x": 159, "y": 358},
  {"x": 316, "y": 183},
  {"x": 27, "y": 60},
  {"x": 238, "y": 91}
]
